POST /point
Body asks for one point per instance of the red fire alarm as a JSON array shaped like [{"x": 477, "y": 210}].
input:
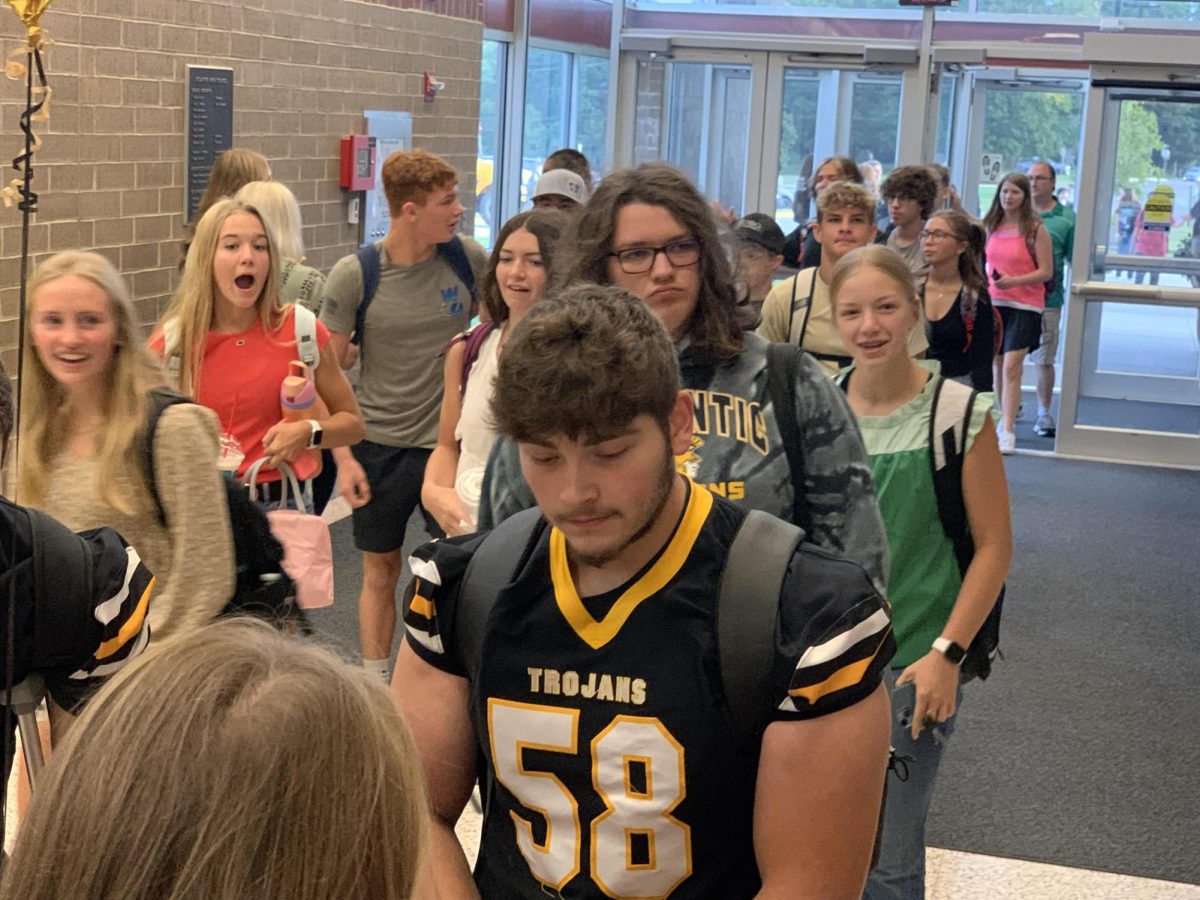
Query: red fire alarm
[
  {"x": 431, "y": 86},
  {"x": 358, "y": 162}
]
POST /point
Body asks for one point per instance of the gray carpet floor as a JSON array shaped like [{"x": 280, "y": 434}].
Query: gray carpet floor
[{"x": 1083, "y": 748}]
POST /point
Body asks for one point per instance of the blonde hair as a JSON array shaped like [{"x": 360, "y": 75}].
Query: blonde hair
[
  {"x": 191, "y": 311},
  {"x": 278, "y": 207},
  {"x": 234, "y": 763},
  {"x": 131, "y": 375},
  {"x": 882, "y": 259}
]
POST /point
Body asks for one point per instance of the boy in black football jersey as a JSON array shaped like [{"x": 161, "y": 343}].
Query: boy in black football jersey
[{"x": 611, "y": 762}]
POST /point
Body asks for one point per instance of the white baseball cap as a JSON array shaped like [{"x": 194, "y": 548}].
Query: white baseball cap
[{"x": 564, "y": 183}]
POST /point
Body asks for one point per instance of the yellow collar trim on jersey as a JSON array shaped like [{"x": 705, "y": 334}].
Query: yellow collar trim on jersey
[{"x": 597, "y": 634}]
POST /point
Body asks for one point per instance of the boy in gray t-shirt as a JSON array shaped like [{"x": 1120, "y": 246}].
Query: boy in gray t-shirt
[
  {"x": 910, "y": 192},
  {"x": 419, "y": 305}
]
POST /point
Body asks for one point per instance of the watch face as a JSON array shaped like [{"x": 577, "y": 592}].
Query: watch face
[{"x": 955, "y": 652}]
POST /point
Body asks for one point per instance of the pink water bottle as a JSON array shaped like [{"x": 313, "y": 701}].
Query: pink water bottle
[{"x": 298, "y": 393}]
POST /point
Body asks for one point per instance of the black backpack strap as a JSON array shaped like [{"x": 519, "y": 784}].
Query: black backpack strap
[
  {"x": 949, "y": 424},
  {"x": 160, "y": 399},
  {"x": 812, "y": 286},
  {"x": 368, "y": 261},
  {"x": 949, "y": 421},
  {"x": 492, "y": 567},
  {"x": 747, "y": 613},
  {"x": 455, "y": 255},
  {"x": 783, "y": 367},
  {"x": 63, "y": 579}
]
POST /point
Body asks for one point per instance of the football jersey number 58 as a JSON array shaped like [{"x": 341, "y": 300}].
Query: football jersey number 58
[{"x": 638, "y": 848}]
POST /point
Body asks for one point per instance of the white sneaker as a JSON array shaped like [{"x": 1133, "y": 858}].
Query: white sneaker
[{"x": 1008, "y": 442}]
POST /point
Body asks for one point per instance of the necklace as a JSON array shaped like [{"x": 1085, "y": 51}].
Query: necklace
[{"x": 942, "y": 290}]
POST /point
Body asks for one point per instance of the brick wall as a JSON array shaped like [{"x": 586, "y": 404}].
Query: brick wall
[{"x": 110, "y": 173}]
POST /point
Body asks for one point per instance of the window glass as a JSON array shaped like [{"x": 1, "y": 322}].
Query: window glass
[
  {"x": 591, "y": 110},
  {"x": 947, "y": 95},
  {"x": 1024, "y": 126},
  {"x": 875, "y": 119},
  {"x": 547, "y": 113},
  {"x": 487, "y": 169},
  {"x": 797, "y": 138},
  {"x": 702, "y": 110}
]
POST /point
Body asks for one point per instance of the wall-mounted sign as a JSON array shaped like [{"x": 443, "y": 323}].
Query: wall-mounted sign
[
  {"x": 209, "y": 116},
  {"x": 991, "y": 165}
]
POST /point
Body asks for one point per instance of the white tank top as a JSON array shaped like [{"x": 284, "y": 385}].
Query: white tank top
[{"x": 473, "y": 432}]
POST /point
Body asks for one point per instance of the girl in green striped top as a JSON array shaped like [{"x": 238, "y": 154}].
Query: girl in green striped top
[{"x": 935, "y": 610}]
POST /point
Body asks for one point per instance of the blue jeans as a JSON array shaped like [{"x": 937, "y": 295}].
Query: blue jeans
[{"x": 900, "y": 872}]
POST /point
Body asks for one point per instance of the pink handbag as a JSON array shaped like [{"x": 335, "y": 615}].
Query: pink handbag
[{"x": 308, "y": 550}]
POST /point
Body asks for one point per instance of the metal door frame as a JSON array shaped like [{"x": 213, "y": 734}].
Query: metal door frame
[{"x": 1082, "y": 328}]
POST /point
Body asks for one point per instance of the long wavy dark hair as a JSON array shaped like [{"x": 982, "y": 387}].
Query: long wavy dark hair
[
  {"x": 547, "y": 225},
  {"x": 713, "y": 328}
]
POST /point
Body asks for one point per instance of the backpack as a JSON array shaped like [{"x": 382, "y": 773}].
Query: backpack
[
  {"x": 263, "y": 588},
  {"x": 747, "y": 604},
  {"x": 1051, "y": 283},
  {"x": 452, "y": 253},
  {"x": 968, "y": 319},
  {"x": 473, "y": 339},
  {"x": 949, "y": 420},
  {"x": 948, "y": 424},
  {"x": 783, "y": 363}
]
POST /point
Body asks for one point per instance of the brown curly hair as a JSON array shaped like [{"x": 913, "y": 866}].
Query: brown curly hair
[
  {"x": 912, "y": 183},
  {"x": 584, "y": 363}
]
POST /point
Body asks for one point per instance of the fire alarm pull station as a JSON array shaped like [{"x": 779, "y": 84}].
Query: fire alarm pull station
[{"x": 358, "y": 162}]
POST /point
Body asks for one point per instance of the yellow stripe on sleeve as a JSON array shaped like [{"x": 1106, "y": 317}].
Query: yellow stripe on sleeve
[
  {"x": 842, "y": 678},
  {"x": 422, "y": 606},
  {"x": 131, "y": 628}
]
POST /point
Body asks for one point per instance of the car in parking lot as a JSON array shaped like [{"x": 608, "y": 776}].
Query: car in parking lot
[{"x": 1192, "y": 174}]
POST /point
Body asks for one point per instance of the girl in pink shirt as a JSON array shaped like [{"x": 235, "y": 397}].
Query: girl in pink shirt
[{"x": 1017, "y": 291}]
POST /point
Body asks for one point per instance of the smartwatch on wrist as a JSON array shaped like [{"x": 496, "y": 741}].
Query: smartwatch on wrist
[
  {"x": 952, "y": 651},
  {"x": 315, "y": 440}
]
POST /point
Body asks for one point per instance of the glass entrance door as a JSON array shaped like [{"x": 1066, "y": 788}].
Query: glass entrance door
[
  {"x": 1017, "y": 120},
  {"x": 815, "y": 113},
  {"x": 1132, "y": 373},
  {"x": 748, "y": 127},
  {"x": 702, "y": 114}
]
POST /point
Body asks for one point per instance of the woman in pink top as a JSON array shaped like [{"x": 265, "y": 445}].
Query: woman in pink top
[
  {"x": 234, "y": 338},
  {"x": 1020, "y": 260}
]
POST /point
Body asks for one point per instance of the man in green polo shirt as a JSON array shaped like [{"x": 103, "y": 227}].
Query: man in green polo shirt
[{"x": 1060, "y": 222}]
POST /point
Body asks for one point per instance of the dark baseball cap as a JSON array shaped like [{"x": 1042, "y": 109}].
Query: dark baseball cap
[{"x": 759, "y": 228}]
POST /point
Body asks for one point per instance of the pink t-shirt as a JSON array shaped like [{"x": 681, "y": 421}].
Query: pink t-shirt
[
  {"x": 240, "y": 382},
  {"x": 1008, "y": 254}
]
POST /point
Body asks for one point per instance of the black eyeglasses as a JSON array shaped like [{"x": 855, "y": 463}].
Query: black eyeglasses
[{"x": 639, "y": 260}]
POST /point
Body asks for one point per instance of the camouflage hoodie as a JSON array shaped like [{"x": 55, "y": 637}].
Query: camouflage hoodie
[{"x": 737, "y": 452}]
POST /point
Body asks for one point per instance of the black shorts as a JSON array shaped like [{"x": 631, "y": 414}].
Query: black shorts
[
  {"x": 1022, "y": 329},
  {"x": 395, "y": 475}
]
